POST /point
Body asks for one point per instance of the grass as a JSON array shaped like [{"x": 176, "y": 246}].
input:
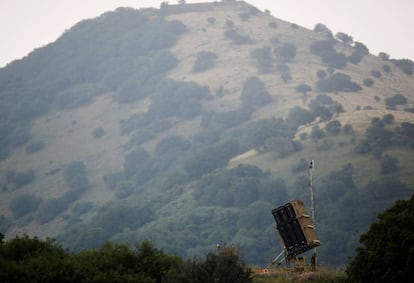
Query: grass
[{"x": 324, "y": 275}]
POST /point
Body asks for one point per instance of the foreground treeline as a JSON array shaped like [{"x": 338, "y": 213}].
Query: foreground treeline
[{"x": 25, "y": 259}]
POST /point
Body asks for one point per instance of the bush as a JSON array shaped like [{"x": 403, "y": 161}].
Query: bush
[
  {"x": 224, "y": 267},
  {"x": 388, "y": 119},
  {"x": 98, "y": 132},
  {"x": 368, "y": 82},
  {"x": 338, "y": 82},
  {"x": 19, "y": 179},
  {"x": 360, "y": 47},
  {"x": 34, "y": 147},
  {"x": 24, "y": 204},
  {"x": 322, "y": 47},
  {"x": 263, "y": 59},
  {"x": 237, "y": 38},
  {"x": 317, "y": 133},
  {"x": 376, "y": 74},
  {"x": 272, "y": 25},
  {"x": 334, "y": 60},
  {"x": 286, "y": 52},
  {"x": 333, "y": 127},
  {"x": 76, "y": 176},
  {"x": 386, "y": 68},
  {"x": 254, "y": 93},
  {"x": 299, "y": 116},
  {"x": 388, "y": 164},
  {"x": 386, "y": 250},
  {"x": 406, "y": 65},
  {"x": 355, "y": 57},
  {"x": 395, "y": 100},
  {"x": 303, "y": 88},
  {"x": 204, "y": 61},
  {"x": 344, "y": 38},
  {"x": 321, "y": 74}
]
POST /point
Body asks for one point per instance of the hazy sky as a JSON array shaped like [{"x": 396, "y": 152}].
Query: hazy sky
[{"x": 382, "y": 25}]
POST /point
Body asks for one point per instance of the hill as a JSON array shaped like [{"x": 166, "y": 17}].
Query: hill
[{"x": 186, "y": 125}]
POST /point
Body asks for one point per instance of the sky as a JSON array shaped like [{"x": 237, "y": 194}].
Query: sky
[{"x": 382, "y": 25}]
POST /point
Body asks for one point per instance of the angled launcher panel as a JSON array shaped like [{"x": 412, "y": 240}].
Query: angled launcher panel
[{"x": 295, "y": 228}]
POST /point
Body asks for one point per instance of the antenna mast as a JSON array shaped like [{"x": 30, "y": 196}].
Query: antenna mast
[{"x": 314, "y": 261}]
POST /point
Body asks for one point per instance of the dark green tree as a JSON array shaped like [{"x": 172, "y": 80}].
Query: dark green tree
[
  {"x": 286, "y": 52},
  {"x": 387, "y": 250},
  {"x": 303, "y": 88},
  {"x": 224, "y": 267},
  {"x": 254, "y": 93}
]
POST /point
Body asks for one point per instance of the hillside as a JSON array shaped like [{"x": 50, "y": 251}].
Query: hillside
[{"x": 186, "y": 125}]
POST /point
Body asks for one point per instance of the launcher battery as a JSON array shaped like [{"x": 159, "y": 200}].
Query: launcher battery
[{"x": 295, "y": 228}]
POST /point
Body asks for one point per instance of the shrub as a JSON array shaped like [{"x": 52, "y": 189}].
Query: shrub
[
  {"x": 338, "y": 82},
  {"x": 386, "y": 252},
  {"x": 299, "y": 116},
  {"x": 395, "y": 100},
  {"x": 388, "y": 164},
  {"x": 388, "y": 118},
  {"x": 334, "y": 60},
  {"x": 254, "y": 93},
  {"x": 406, "y": 65},
  {"x": 303, "y": 88},
  {"x": 321, "y": 74},
  {"x": 211, "y": 20},
  {"x": 263, "y": 59},
  {"x": 333, "y": 127},
  {"x": 98, "y": 132},
  {"x": 322, "y": 29},
  {"x": 237, "y": 38},
  {"x": 376, "y": 74},
  {"x": 322, "y": 47},
  {"x": 76, "y": 176},
  {"x": 272, "y": 25},
  {"x": 317, "y": 133},
  {"x": 204, "y": 61},
  {"x": 368, "y": 82},
  {"x": 286, "y": 52},
  {"x": 384, "y": 56},
  {"x": 344, "y": 38},
  {"x": 229, "y": 23},
  {"x": 355, "y": 57},
  {"x": 361, "y": 48},
  {"x": 19, "y": 179},
  {"x": 348, "y": 129},
  {"x": 34, "y": 147},
  {"x": 24, "y": 204},
  {"x": 386, "y": 68}
]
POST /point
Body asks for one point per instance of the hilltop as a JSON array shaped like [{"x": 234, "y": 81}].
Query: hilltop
[{"x": 186, "y": 125}]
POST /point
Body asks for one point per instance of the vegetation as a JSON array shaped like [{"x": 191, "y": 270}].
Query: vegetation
[
  {"x": 254, "y": 93},
  {"x": 386, "y": 250},
  {"x": 204, "y": 61},
  {"x": 338, "y": 82},
  {"x": 202, "y": 159},
  {"x": 23, "y": 257}
]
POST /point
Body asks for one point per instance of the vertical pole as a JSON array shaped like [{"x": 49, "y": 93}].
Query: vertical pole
[{"x": 314, "y": 260}]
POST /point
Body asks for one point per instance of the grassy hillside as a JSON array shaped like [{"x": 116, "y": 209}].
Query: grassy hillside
[{"x": 186, "y": 125}]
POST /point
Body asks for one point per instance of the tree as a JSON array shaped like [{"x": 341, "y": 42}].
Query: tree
[
  {"x": 345, "y": 38},
  {"x": 263, "y": 59},
  {"x": 254, "y": 93},
  {"x": 204, "y": 61},
  {"x": 303, "y": 88},
  {"x": 221, "y": 268},
  {"x": 286, "y": 52},
  {"x": 386, "y": 253},
  {"x": 389, "y": 164}
]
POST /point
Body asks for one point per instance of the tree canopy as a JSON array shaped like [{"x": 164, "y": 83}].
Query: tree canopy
[{"x": 387, "y": 251}]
